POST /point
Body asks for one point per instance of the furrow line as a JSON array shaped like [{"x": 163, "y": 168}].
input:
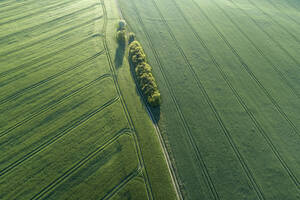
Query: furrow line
[
  {"x": 266, "y": 33},
  {"x": 216, "y": 114},
  {"x": 6, "y": 53},
  {"x": 250, "y": 73},
  {"x": 22, "y": 91},
  {"x": 4, "y": 38},
  {"x": 14, "y": 7},
  {"x": 52, "y": 105},
  {"x": 65, "y": 131},
  {"x": 293, "y": 90},
  {"x": 123, "y": 103},
  {"x": 185, "y": 126},
  {"x": 274, "y": 21},
  {"x": 38, "y": 12},
  {"x": 243, "y": 104},
  {"x": 39, "y": 59},
  {"x": 78, "y": 165}
]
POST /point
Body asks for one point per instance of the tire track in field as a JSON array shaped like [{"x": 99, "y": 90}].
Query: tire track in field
[
  {"x": 6, "y": 53},
  {"x": 254, "y": 120},
  {"x": 293, "y": 90},
  {"x": 79, "y": 164},
  {"x": 30, "y": 29},
  {"x": 22, "y": 91},
  {"x": 274, "y": 21},
  {"x": 124, "y": 105},
  {"x": 281, "y": 11},
  {"x": 117, "y": 188},
  {"x": 245, "y": 107},
  {"x": 185, "y": 126},
  {"x": 38, "y": 12},
  {"x": 248, "y": 70},
  {"x": 53, "y": 104},
  {"x": 171, "y": 168},
  {"x": 38, "y": 60},
  {"x": 227, "y": 134},
  {"x": 82, "y": 119},
  {"x": 266, "y": 33}
]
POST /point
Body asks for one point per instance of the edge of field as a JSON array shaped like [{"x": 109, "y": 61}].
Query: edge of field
[{"x": 154, "y": 153}]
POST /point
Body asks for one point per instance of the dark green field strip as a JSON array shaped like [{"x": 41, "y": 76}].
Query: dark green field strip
[
  {"x": 133, "y": 190},
  {"x": 28, "y": 63},
  {"x": 283, "y": 11},
  {"x": 223, "y": 95},
  {"x": 55, "y": 123},
  {"x": 30, "y": 111},
  {"x": 11, "y": 5},
  {"x": 124, "y": 106},
  {"x": 269, "y": 61},
  {"x": 44, "y": 76},
  {"x": 279, "y": 42},
  {"x": 23, "y": 40},
  {"x": 292, "y": 4},
  {"x": 81, "y": 164},
  {"x": 53, "y": 162},
  {"x": 293, "y": 32},
  {"x": 244, "y": 64},
  {"x": 47, "y": 21},
  {"x": 15, "y": 15}
]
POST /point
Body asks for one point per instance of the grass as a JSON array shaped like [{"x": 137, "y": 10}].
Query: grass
[
  {"x": 227, "y": 71},
  {"x": 72, "y": 124}
]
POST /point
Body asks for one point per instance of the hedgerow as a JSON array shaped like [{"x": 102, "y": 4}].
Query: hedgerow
[{"x": 143, "y": 72}]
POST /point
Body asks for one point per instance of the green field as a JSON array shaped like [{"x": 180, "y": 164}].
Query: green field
[
  {"x": 229, "y": 75},
  {"x": 72, "y": 125}
]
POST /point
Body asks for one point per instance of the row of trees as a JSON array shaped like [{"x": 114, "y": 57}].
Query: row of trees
[{"x": 143, "y": 72}]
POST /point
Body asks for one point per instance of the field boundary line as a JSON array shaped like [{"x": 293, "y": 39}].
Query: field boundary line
[
  {"x": 37, "y": 61},
  {"x": 280, "y": 10},
  {"x": 185, "y": 126},
  {"x": 16, "y": 94},
  {"x": 250, "y": 73},
  {"x": 214, "y": 110},
  {"x": 47, "y": 38},
  {"x": 123, "y": 103},
  {"x": 38, "y": 12},
  {"x": 79, "y": 164},
  {"x": 240, "y": 100},
  {"x": 266, "y": 33},
  {"x": 259, "y": 50},
  {"x": 51, "y": 105},
  {"x": 82, "y": 119},
  {"x": 274, "y": 21},
  {"x": 45, "y": 23}
]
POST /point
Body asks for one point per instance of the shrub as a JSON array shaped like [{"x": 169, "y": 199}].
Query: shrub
[
  {"x": 131, "y": 37},
  {"x": 143, "y": 72},
  {"x": 121, "y": 36},
  {"x": 121, "y": 25}
]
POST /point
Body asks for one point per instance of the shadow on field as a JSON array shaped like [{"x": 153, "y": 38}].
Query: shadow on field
[
  {"x": 154, "y": 111},
  {"x": 119, "y": 56}
]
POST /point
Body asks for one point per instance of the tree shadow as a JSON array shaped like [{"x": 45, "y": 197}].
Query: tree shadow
[
  {"x": 119, "y": 55},
  {"x": 154, "y": 112}
]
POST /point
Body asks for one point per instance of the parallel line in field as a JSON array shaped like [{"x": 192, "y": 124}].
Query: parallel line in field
[
  {"x": 121, "y": 185},
  {"x": 38, "y": 12},
  {"x": 281, "y": 11},
  {"x": 22, "y": 91},
  {"x": 274, "y": 21},
  {"x": 36, "y": 69},
  {"x": 293, "y": 90},
  {"x": 250, "y": 73},
  {"x": 266, "y": 33},
  {"x": 53, "y": 104},
  {"x": 6, "y": 53},
  {"x": 245, "y": 107},
  {"x": 14, "y": 7},
  {"x": 79, "y": 164},
  {"x": 62, "y": 133},
  {"x": 214, "y": 110},
  {"x": 185, "y": 126},
  {"x": 292, "y": 6},
  {"x": 4, "y": 38},
  {"x": 124, "y": 105}
]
